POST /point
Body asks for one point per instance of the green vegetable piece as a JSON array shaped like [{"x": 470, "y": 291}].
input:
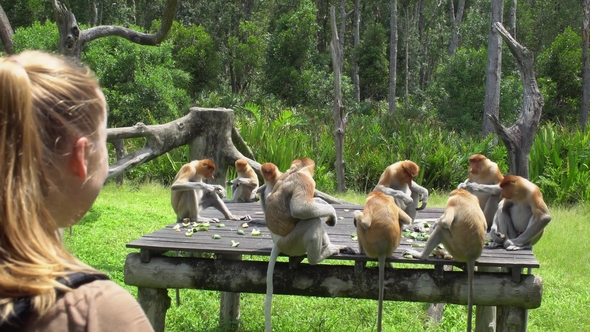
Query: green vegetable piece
[
  {"x": 241, "y": 232},
  {"x": 189, "y": 234},
  {"x": 234, "y": 243},
  {"x": 408, "y": 256},
  {"x": 216, "y": 236},
  {"x": 256, "y": 232},
  {"x": 220, "y": 225}
]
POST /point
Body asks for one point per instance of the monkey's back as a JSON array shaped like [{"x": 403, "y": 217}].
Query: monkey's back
[
  {"x": 278, "y": 215},
  {"x": 384, "y": 234},
  {"x": 467, "y": 230}
]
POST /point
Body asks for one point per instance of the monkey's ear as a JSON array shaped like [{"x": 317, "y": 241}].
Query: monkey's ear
[{"x": 77, "y": 158}]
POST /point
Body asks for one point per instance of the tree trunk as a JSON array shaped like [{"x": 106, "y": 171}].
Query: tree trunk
[
  {"x": 94, "y": 14},
  {"x": 393, "y": 55},
  {"x": 456, "y": 21},
  {"x": 519, "y": 137},
  {"x": 423, "y": 43},
  {"x": 407, "y": 68},
  {"x": 494, "y": 69},
  {"x": 585, "y": 67},
  {"x": 355, "y": 65},
  {"x": 338, "y": 107},
  {"x": 6, "y": 32},
  {"x": 133, "y": 14},
  {"x": 513, "y": 5}
]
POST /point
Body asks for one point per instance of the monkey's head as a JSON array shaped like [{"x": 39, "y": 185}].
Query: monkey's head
[
  {"x": 475, "y": 163},
  {"x": 270, "y": 172},
  {"x": 513, "y": 187},
  {"x": 464, "y": 193},
  {"x": 411, "y": 169},
  {"x": 205, "y": 168},
  {"x": 301, "y": 163},
  {"x": 241, "y": 165}
]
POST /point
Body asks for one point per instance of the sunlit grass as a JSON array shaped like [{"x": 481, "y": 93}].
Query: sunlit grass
[{"x": 123, "y": 214}]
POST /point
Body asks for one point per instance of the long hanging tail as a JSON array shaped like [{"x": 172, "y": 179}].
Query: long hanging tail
[
  {"x": 269, "y": 273},
  {"x": 470, "y": 270},
  {"x": 381, "y": 277}
]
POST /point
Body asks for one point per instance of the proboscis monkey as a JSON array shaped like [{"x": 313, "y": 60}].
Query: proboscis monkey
[
  {"x": 522, "y": 215},
  {"x": 378, "y": 229},
  {"x": 293, "y": 217},
  {"x": 271, "y": 174},
  {"x": 461, "y": 229},
  {"x": 397, "y": 181},
  {"x": 190, "y": 194},
  {"x": 484, "y": 173},
  {"x": 243, "y": 188}
]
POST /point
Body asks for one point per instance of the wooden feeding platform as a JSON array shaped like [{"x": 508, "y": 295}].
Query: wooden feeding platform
[{"x": 234, "y": 269}]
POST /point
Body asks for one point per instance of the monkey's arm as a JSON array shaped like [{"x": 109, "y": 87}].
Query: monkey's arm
[
  {"x": 533, "y": 232},
  {"x": 474, "y": 187},
  {"x": 423, "y": 192},
  {"x": 435, "y": 238},
  {"x": 208, "y": 188},
  {"x": 302, "y": 208},
  {"x": 397, "y": 194},
  {"x": 261, "y": 189}
]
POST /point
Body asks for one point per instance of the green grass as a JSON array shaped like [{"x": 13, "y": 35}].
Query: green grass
[{"x": 123, "y": 214}]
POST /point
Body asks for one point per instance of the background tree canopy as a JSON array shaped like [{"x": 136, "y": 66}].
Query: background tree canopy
[{"x": 270, "y": 61}]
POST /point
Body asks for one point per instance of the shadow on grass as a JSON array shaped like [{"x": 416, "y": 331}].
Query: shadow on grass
[{"x": 91, "y": 216}]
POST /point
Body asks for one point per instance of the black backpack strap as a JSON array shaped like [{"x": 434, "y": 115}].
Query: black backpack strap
[{"x": 22, "y": 306}]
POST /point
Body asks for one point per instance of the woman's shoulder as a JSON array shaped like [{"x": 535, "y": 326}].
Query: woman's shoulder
[{"x": 101, "y": 305}]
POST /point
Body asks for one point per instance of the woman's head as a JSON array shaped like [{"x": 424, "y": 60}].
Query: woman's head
[{"x": 53, "y": 162}]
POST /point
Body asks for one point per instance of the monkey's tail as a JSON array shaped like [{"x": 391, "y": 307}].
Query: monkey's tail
[
  {"x": 381, "y": 282},
  {"x": 269, "y": 273},
  {"x": 470, "y": 271}
]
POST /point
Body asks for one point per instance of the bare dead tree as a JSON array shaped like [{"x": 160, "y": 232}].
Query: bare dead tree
[
  {"x": 6, "y": 32},
  {"x": 494, "y": 69},
  {"x": 519, "y": 137},
  {"x": 356, "y": 42},
  {"x": 340, "y": 120},
  {"x": 513, "y": 5},
  {"x": 585, "y": 67},
  {"x": 72, "y": 39},
  {"x": 393, "y": 55},
  {"x": 456, "y": 19}
]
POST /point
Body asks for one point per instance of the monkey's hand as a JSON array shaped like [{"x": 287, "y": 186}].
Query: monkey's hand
[
  {"x": 498, "y": 237},
  {"x": 424, "y": 201},
  {"x": 411, "y": 252},
  {"x": 331, "y": 220},
  {"x": 474, "y": 187},
  {"x": 219, "y": 190}
]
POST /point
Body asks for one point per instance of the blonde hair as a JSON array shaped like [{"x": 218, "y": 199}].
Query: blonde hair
[{"x": 46, "y": 102}]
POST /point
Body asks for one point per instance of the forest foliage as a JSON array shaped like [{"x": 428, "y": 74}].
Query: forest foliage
[{"x": 270, "y": 62}]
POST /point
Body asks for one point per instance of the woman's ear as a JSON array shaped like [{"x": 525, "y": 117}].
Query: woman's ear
[{"x": 77, "y": 162}]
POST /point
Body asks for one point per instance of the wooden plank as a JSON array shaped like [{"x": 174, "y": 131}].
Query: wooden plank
[{"x": 169, "y": 239}]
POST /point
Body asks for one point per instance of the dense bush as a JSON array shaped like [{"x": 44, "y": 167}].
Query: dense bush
[
  {"x": 38, "y": 36},
  {"x": 560, "y": 77}
]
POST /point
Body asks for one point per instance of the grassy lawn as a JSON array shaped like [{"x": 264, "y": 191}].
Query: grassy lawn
[{"x": 123, "y": 214}]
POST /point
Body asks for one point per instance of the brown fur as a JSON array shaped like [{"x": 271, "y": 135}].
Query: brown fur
[
  {"x": 466, "y": 224},
  {"x": 401, "y": 172},
  {"x": 196, "y": 170},
  {"x": 484, "y": 171},
  {"x": 520, "y": 190},
  {"x": 270, "y": 173},
  {"x": 244, "y": 172},
  {"x": 379, "y": 225},
  {"x": 298, "y": 181}
]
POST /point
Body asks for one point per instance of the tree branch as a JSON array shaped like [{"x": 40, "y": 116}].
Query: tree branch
[{"x": 132, "y": 35}]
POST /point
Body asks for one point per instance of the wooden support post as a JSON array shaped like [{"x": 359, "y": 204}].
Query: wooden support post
[
  {"x": 154, "y": 302},
  {"x": 485, "y": 316},
  {"x": 435, "y": 310},
  {"x": 511, "y": 319},
  {"x": 229, "y": 313}
]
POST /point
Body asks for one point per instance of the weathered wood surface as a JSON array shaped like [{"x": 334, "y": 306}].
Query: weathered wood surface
[
  {"x": 169, "y": 239},
  {"x": 416, "y": 285}
]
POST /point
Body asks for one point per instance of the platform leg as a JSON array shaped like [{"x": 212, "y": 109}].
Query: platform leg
[
  {"x": 154, "y": 302},
  {"x": 229, "y": 314}
]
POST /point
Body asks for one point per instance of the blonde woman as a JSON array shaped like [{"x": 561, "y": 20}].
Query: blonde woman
[{"x": 53, "y": 162}]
